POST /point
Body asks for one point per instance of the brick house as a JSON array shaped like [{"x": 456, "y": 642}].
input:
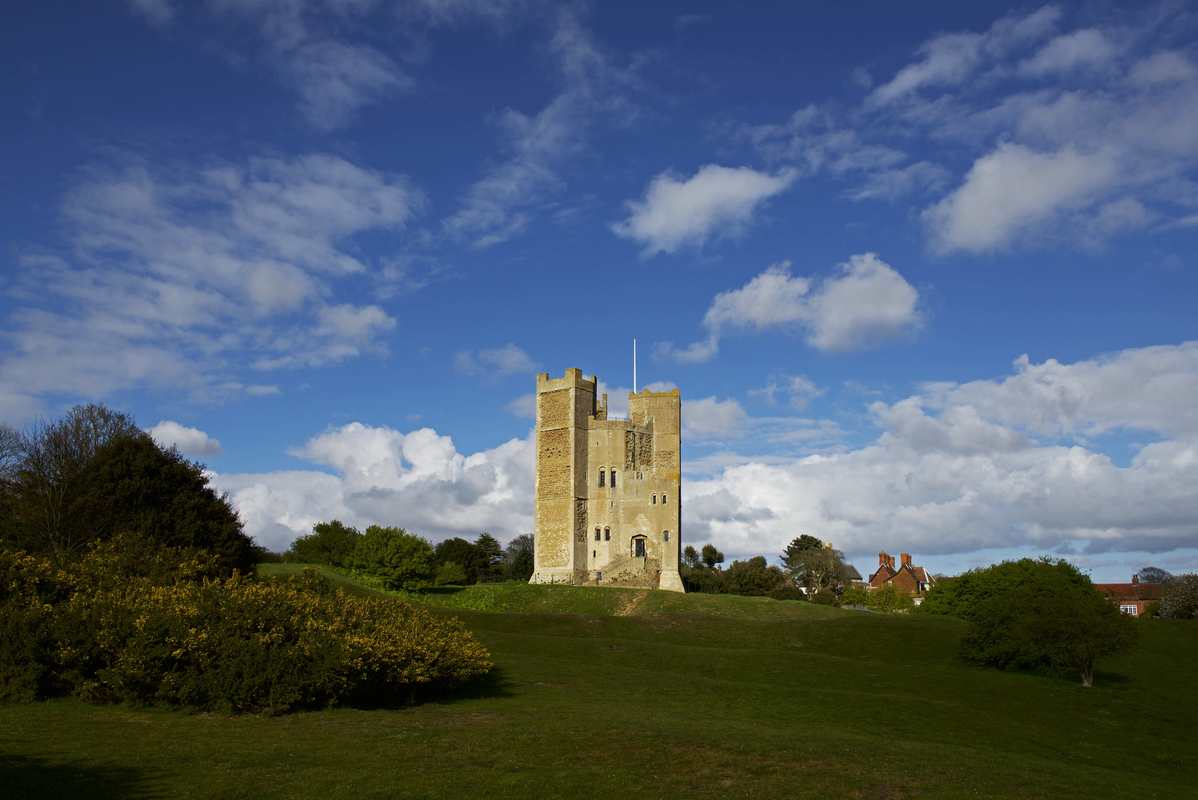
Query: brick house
[
  {"x": 1132, "y": 598},
  {"x": 909, "y": 579}
]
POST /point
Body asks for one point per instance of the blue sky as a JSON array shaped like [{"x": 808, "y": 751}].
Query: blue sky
[{"x": 925, "y": 277}]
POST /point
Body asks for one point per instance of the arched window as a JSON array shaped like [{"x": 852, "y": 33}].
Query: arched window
[
  {"x": 654, "y": 499},
  {"x": 665, "y": 535},
  {"x": 663, "y": 499},
  {"x": 607, "y": 534},
  {"x": 596, "y": 534},
  {"x": 613, "y": 479},
  {"x": 602, "y": 475}
]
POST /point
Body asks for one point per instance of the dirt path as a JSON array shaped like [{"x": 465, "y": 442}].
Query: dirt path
[{"x": 630, "y": 605}]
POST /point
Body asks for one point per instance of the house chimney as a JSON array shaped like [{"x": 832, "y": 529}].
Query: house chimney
[
  {"x": 882, "y": 559},
  {"x": 1135, "y": 578},
  {"x": 890, "y": 561},
  {"x": 906, "y": 557}
]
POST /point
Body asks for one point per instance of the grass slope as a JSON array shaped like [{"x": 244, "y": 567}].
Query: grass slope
[{"x": 657, "y": 695}]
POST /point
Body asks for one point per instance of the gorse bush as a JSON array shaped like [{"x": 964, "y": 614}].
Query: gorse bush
[{"x": 180, "y": 637}]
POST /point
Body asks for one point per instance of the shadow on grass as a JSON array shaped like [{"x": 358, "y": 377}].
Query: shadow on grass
[
  {"x": 442, "y": 590},
  {"x": 32, "y": 777},
  {"x": 493, "y": 684}
]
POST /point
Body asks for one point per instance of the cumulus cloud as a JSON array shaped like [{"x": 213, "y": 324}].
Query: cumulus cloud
[
  {"x": 986, "y": 464},
  {"x": 494, "y": 362},
  {"x": 716, "y": 200},
  {"x": 712, "y": 419},
  {"x": 191, "y": 441},
  {"x": 379, "y": 475},
  {"x": 175, "y": 275},
  {"x": 866, "y": 302}
]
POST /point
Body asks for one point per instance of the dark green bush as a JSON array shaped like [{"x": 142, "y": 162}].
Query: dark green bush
[
  {"x": 183, "y": 638},
  {"x": 825, "y": 597}
]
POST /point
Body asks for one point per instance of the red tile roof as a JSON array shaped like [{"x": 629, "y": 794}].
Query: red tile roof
[{"x": 1131, "y": 591}]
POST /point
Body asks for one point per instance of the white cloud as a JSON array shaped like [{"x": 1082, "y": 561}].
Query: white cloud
[
  {"x": 191, "y": 441},
  {"x": 1014, "y": 189},
  {"x": 523, "y": 406},
  {"x": 960, "y": 467},
  {"x": 1080, "y": 49},
  {"x": 495, "y": 362},
  {"x": 716, "y": 200},
  {"x": 179, "y": 275},
  {"x": 712, "y": 419},
  {"x": 416, "y": 480},
  {"x": 865, "y": 303},
  {"x": 156, "y": 12},
  {"x": 949, "y": 59},
  {"x": 336, "y": 80},
  {"x": 800, "y": 390},
  {"x": 1167, "y": 66}
]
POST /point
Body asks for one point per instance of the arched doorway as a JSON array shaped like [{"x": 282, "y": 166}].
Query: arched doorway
[{"x": 638, "y": 546}]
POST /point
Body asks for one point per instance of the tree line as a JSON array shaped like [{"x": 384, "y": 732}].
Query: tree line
[
  {"x": 810, "y": 570},
  {"x": 404, "y": 560}
]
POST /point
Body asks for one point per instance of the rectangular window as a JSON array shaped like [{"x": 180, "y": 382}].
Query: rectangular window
[
  {"x": 606, "y": 535},
  {"x": 654, "y": 499},
  {"x": 596, "y": 534},
  {"x": 1129, "y": 609},
  {"x": 613, "y": 479},
  {"x": 663, "y": 499},
  {"x": 602, "y": 474}
]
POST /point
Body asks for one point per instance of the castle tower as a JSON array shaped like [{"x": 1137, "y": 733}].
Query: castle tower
[{"x": 608, "y": 501}]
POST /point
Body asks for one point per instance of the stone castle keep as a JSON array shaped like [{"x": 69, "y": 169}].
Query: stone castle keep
[{"x": 608, "y": 506}]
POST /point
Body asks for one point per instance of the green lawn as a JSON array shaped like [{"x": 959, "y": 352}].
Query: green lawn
[{"x": 638, "y": 694}]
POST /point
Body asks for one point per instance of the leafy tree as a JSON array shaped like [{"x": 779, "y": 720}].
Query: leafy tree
[
  {"x": 44, "y": 468},
  {"x": 1180, "y": 600},
  {"x": 403, "y": 560},
  {"x": 752, "y": 577},
  {"x": 711, "y": 557},
  {"x": 1154, "y": 575},
  {"x": 450, "y": 572},
  {"x": 518, "y": 558},
  {"x": 855, "y": 596},
  {"x": 330, "y": 542},
  {"x": 888, "y": 599},
  {"x": 489, "y": 565},
  {"x": 961, "y": 596},
  {"x": 691, "y": 558},
  {"x": 1051, "y": 618},
  {"x": 458, "y": 551},
  {"x": 132, "y": 485},
  {"x": 809, "y": 563}
]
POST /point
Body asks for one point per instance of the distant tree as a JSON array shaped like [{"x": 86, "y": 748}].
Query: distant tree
[
  {"x": 329, "y": 542},
  {"x": 1153, "y": 575},
  {"x": 518, "y": 558},
  {"x": 403, "y": 560},
  {"x": 712, "y": 557},
  {"x": 457, "y": 550},
  {"x": 132, "y": 485},
  {"x": 888, "y": 599},
  {"x": 450, "y": 573},
  {"x": 1180, "y": 600},
  {"x": 752, "y": 577},
  {"x": 490, "y": 557},
  {"x": 855, "y": 596},
  {"x": 691, "y": 558},
  {"x": 1052, "y": 617},
  {"x": 816, "y": 567}
]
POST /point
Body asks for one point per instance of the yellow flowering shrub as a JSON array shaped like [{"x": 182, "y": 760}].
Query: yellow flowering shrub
[{"x": 238, "y": 644}]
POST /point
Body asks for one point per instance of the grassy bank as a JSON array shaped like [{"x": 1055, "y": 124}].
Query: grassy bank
[{"x": 612, "y": 692}]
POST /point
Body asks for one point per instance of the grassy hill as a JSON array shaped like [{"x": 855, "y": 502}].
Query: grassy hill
[{"x": 605, "y": 692}]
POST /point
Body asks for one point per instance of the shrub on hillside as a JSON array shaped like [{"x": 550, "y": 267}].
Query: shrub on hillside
[
  {"x": 825, "y": 597},
  {"x": 1180, "y": 598},
  {"x": 450, "y": 573},
  {"x": 330, "y": 543},
  {"x": 401, "y": 559},
  {"x": 752, "y": 577},
  {"x": 855, "y": 596},
  {"x": 888, "y": 600},
  {"x": 1051, "y": 618},
  {"x": 236, "y": 645}
]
